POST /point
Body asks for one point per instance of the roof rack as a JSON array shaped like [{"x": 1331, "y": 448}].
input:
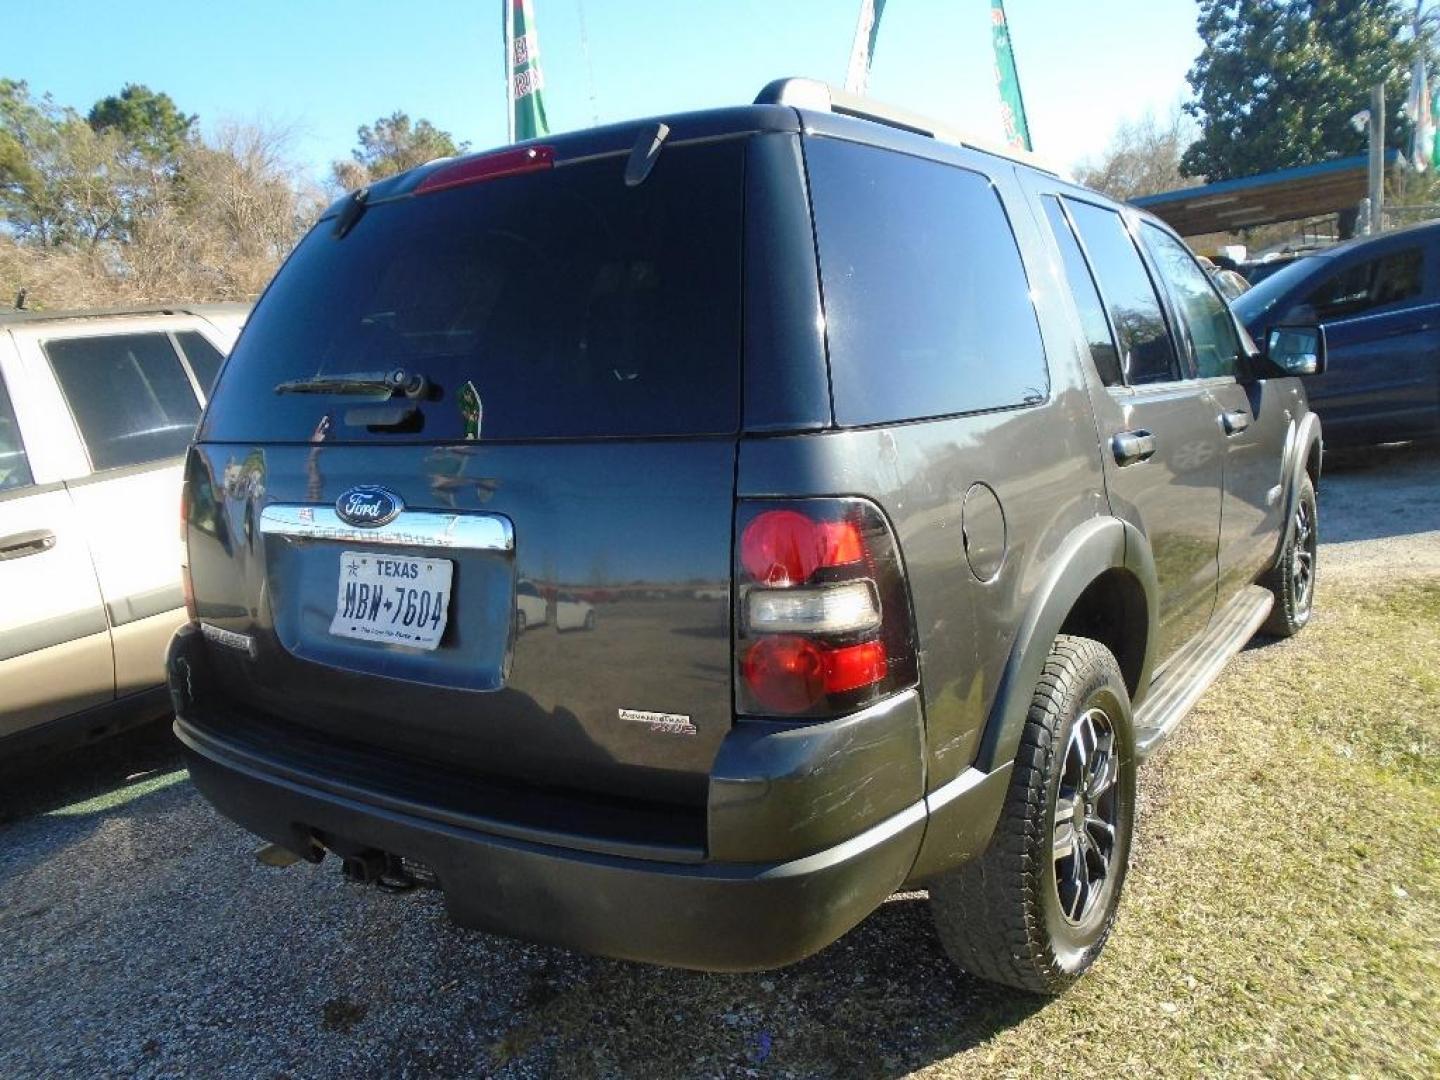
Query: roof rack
[
  {"x": 11, "y": 316},
  {"x": 818, "y": 96}
]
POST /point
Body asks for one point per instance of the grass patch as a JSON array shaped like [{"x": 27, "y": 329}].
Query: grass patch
[
  {"x": 1280, "y": 918},
  {"x": 1281, "y": 915}
]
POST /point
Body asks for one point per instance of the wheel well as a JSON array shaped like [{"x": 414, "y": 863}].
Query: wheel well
[
  {"x": 1312, "y": 464},
  {"x": 1112, "y": 611}
]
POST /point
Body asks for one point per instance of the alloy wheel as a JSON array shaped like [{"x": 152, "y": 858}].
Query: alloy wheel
[
  {"x": 1302, "y": 564},
  {"x": 1086, "y": 815}
]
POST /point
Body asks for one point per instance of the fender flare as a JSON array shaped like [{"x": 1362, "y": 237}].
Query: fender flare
[
  {"x": 1099, "y": 545},
  {"x": 1305, "y": 434}
]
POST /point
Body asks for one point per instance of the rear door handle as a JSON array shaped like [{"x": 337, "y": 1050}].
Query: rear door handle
[
  {"x": 1133, "y": 446},
  {"x": 18, "y": 545},
  {"x": 1235, "y": 422}
]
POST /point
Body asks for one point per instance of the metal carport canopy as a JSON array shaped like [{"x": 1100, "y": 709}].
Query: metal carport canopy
[{"x": 1306, "y": 191}]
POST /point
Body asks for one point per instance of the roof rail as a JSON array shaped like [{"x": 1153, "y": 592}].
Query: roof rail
[
  {"x": 821, "y": 97},
  {"x": 15, "y": 316}
]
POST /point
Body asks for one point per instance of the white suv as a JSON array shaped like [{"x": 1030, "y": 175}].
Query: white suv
[{"x": 96, "y": 409}]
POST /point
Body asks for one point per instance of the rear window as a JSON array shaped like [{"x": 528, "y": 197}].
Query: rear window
[
  {"x": 575, "y": 307},
  {"x": 14, "y": 466},
  {"x": 927, "y": 307},
  {"x": 129, "y": 395},
  {"x": 205, "y": 359}
]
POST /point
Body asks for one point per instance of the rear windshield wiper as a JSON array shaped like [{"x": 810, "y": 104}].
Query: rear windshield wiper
[{"x": 373, "y": 383}]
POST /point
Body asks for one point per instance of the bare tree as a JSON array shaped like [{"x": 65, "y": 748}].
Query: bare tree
[
  {"x": 238, "y": 207},
  {"x": 1143, "y": 158},
  {"x": 212, "y": 224}
]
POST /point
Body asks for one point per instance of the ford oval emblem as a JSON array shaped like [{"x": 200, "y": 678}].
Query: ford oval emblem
[{"x": 368, "y": 507}]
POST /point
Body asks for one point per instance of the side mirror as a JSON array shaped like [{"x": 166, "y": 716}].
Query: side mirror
[{"x": 1297, "y": 350}]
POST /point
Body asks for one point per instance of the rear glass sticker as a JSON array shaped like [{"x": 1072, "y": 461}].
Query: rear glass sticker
[{"x": 471, "y": 410}]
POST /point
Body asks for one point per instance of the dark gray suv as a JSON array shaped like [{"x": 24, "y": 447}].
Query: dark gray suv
[{"x": 895, "y": 498}]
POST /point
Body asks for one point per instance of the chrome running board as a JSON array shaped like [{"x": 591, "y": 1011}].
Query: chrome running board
[{"x": 1198, "y": 665}]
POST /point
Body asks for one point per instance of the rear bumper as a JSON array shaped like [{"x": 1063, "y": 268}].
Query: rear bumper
[
  {"x": 793, "y": 857},
  {"x": 710, "y": 916}
]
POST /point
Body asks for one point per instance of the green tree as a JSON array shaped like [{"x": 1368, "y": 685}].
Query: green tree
[
  {"x": 1277, "y": 81},
  {"x": 149, "y": 121},
  {"x": 89, "y": 215},
  {"x": 61, "y": 182},
  {"x": 392, "y": 145}
]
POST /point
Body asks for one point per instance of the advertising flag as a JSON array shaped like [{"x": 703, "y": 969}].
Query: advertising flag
[
  {"x": 862, "y": 52},
  {"x": 1007, "y": 78},
  {"x": 1419, "y": 109},
  {"x": 527, "y": 105}
]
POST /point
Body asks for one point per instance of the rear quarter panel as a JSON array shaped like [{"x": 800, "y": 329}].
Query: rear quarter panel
[{"x": 1042, "y": 462}]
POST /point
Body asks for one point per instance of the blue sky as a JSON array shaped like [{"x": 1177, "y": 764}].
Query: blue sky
[{"x": 323, "y": 68}]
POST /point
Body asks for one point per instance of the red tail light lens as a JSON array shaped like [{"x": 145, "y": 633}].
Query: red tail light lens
[
  {"x": 790, "y": 675},
  {"x": 823, "y": 621},
  {"x": 851, "y": 667},
  {"x": 472, "y": 170},
  {"x": 784, "y": 547},
  {"x": 785, "y": 674}
]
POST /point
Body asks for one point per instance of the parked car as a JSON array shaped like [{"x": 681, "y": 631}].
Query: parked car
[
  {"x": 572, "y": 613},
  {"x": 96, "y": 410},
  {"x": 1377, "y": 301},
  {"x": 1229, "y": 282},
  {"x": 530, "y": 607},
  {"x": 997, "y": 480},
  {"x": 1257, "y": 271}
]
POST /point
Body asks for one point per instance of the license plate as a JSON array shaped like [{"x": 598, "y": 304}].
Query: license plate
[{"x": 393, "y": 599}]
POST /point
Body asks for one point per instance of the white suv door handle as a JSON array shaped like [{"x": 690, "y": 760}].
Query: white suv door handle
[{"x": 33, "y": 542}]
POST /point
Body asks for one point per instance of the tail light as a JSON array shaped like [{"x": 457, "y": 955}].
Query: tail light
[
  {"x": 472, "y": 170},
  {"x": 823, "y": 624},
  {"x": 187, "y": 587}
]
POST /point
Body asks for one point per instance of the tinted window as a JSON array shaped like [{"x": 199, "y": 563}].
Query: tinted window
[
  {"x": 131, "y": 398},
  {"x": 205, "y": 359},
  {"x": 574, "y": 305},
  {"x": 1146, "y": 353},
  {"x": 1087, "y": 298},
  {"x": 927, "y": 307},
  {"x": 1265, "y": 293},
  {"x": 1212, "y": 331},
  {"x": 1370, "y": 284},
  {"x": 14, "y": 465}
]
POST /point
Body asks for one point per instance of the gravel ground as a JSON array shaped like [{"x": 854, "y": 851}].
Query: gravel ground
[
  {"x": 1380, "y": 513},
  {"x": 140, "y": 937}
]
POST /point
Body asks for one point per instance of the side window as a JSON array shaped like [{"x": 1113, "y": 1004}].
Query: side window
[
  {"x": 14, "y": 465},
  {"x": 129, "y": 394},
  {"x": 927, "y": 306},
  {"x": 1388, "y": 279},
  {"x": 1211, "y": 328},
  {"x": 1146, "y": 352},
  {"x": 1087, "y": 296},
  {"x": 205, "y": 359}
]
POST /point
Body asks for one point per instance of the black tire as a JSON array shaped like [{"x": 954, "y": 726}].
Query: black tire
[
  {"x": 1017, "y": 915},
  {"x": 1292, "y": 578}
]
